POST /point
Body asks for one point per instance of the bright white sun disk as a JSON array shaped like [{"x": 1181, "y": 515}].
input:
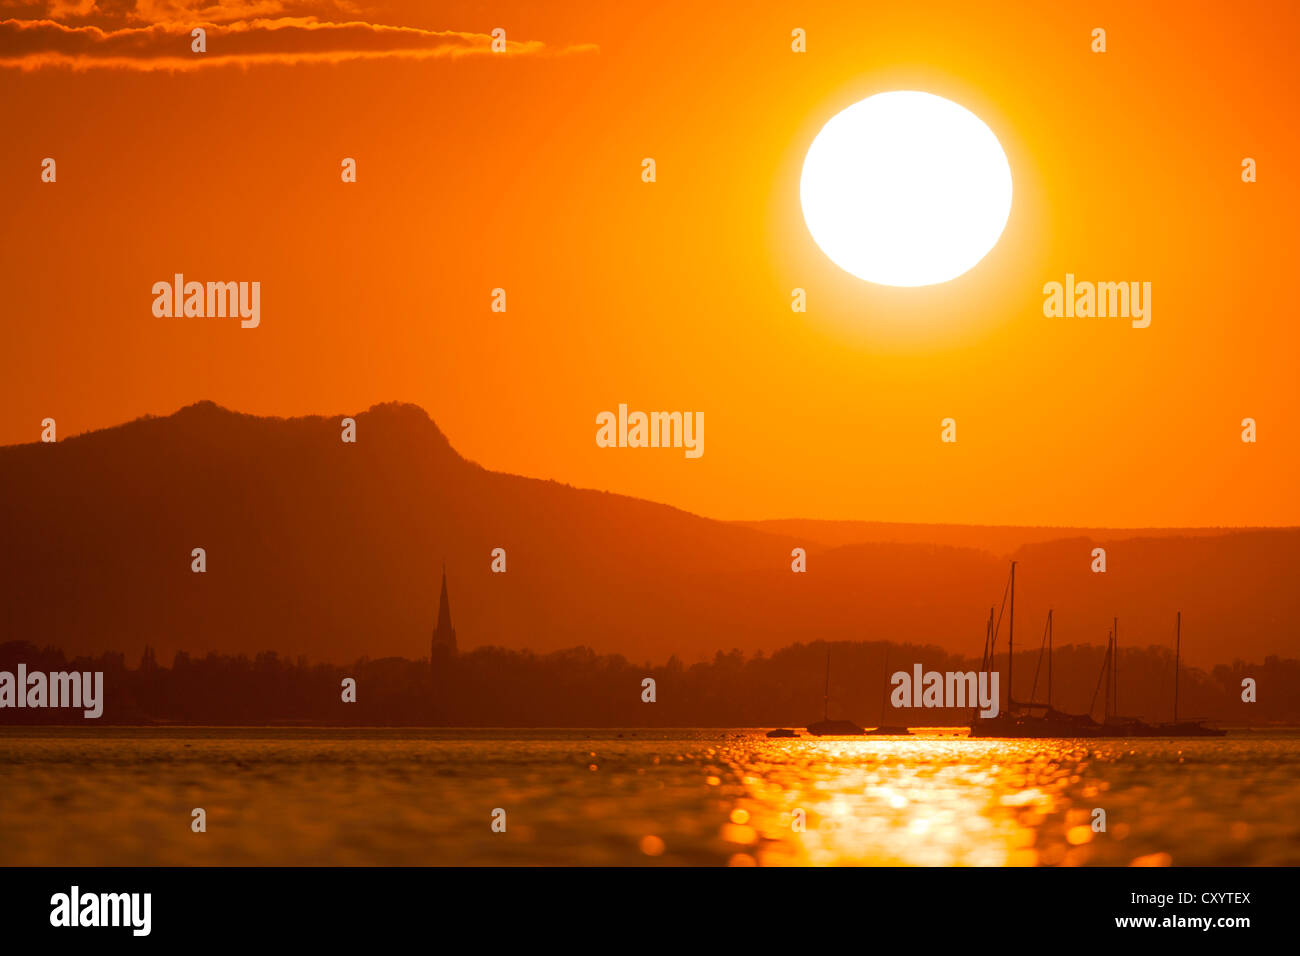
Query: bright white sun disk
[{"x": 905, "y": 189}]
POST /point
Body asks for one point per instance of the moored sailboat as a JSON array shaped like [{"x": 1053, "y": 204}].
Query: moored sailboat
[
  {"x": 883, "y": 729},
  {"x": 1026, "y": 720},
  {"x": 827, "y": 727},
  {"x": 1033, "y": 720},
  {"x": 1114, "y": 725},
  {"x": 1183, "y": 728}
]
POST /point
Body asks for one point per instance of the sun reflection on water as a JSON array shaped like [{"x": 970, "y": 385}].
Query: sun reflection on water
[
  {"x": 911, "y": 801},
  {"x": 935, "y": 800},
  {"x": 672, "y": 797}
]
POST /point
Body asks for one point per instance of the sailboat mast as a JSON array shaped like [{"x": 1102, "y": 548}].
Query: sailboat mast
[
  {"x": 884, "y": 692},
  {"x": 1114, "y": 669},
  {"x": 1110, "y": 654},
  {"x": 1102, "y": 677},
  {"x": 988, "y": 636},
  {"x": 1178, "y": 646},
  {"x": 1011, "y": 642},
  {"x": 826, "y": 697},
  {"x": 985, "y": 665},
  {"x": 1049, "y": 658}
]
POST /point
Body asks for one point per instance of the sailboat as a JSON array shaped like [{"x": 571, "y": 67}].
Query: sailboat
[
  {"x": 1044, "y": 720},
  {"x": 884, "y": 729},
  {"x": 1184, "y": 728},
  {"x": 827, "y": 727},
  {"x": 1030, "y": 719},
  {"x": 1113, "y": 725}
]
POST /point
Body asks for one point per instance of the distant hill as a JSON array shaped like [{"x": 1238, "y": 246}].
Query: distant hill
[
  {"x": 334, "y": 551},
  {"x": 999, "y": 539}
]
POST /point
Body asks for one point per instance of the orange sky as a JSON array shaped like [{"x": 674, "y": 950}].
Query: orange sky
[{"x": 523, "y": 171}]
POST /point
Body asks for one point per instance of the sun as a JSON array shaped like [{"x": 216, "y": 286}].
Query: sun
[{"x": 905, "y": 189}]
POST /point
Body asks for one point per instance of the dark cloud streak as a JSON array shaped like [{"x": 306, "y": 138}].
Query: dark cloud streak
[{"x": 166, "y": 44}]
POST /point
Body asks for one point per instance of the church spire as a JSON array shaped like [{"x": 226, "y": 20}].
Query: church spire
[{"x": 444, "y": 635}]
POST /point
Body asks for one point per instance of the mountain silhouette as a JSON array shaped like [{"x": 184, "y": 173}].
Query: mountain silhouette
[{"x": 334, "y": 550}]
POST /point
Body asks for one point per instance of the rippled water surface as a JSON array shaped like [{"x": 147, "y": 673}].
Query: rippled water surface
[{"x": 609, "y": 797}]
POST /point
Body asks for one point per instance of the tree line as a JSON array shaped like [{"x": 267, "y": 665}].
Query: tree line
[{"x": 496, "y": 687}]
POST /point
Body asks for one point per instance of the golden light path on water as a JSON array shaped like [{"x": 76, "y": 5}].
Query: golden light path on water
[
  {"x": 598, "y": 797},
  {"x": 943, "y": 799},
  {"x": 906, "y": 801}
]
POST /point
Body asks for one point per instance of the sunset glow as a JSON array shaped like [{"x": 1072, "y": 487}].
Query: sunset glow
[
  {"x": 587, "y": 436},
  {"x": 905, "y": 189}
]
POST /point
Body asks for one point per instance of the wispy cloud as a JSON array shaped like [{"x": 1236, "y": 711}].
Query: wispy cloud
[{"x": 156, "y": 35}]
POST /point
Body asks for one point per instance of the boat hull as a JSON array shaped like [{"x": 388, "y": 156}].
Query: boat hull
[
  {"x": 1022, "y": 726},
  {"x": 1054, "y": 724},
  {"x": 835, "y": 728}
]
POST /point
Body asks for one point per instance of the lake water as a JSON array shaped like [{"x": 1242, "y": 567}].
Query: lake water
[{"x": 356, "y": 797}]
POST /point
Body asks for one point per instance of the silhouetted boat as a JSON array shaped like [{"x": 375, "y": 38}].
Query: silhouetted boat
[
  {"x": 1113, "y": 724},
  {"x": 827, "y": 727},
  {"x": 1051, "y": 723},
  {"x": 1021, "y": 720},
  {"x": 835, "y": 728},
  {"x": 1031, "y": 720},
  {"x": 1188, "y": 728},
  {"x": 886, "y": 730},
  {"x": 1183, "y": 728},
  {"x": 782, "y": 732}
]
